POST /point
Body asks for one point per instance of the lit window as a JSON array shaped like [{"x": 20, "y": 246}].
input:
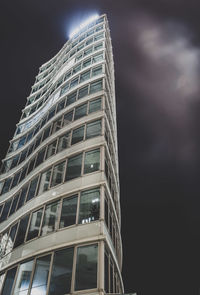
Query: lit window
[{"x": 92, "y": 161}]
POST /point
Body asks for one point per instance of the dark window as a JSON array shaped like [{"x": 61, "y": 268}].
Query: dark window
[
  {"x": 87, "y": 63},
  {"x": 61, "y": 106},
  {"x": 9, "y": 280},
  {"x": 38, "y": 140},
  {"x": 78, "y": 134},
  {"x": 22, "y": 197},
  {"x": 71, "y": 98},
  {"x": 106, "y": 273},
  {"x": 50, "y": 218},
  {"x": 76, "y": 69},
  {"x": 14, "y": 204},
  {"x": 74, "y": 167},
  {"x": 96, "y": 86},
  {"x": 21, "y": 231},
  {"x": 31, "y": 149},
  {"x": 92, "y": 161},
  {"x": 23, "y": 174},
  {"x": 40, "y": 278},
  {"x": 86, "y": 267},
  {"x": 44, "y": 120},
  {"x": 32, "y": 189},
  {"x": 21, "y": 142},
  {"x": 51, "y": 113},
  {"x": 67, "y": 118},
  {"x": 83, "y": 92},
  {"x": 31, "y": 165},
  {"x": 44, "y": 181},
  {"x": 40, "y": 157},
  {"x": 23, "y": 156},
  {"x": 6, "y": 185},
  {"x": 85, "y": 76},
  {"x": 63, "y": 142},
  {"x": 29, "y": 136},
  {"x": 34, "y": 225},
  {"x": 57, "y": 175},
  {"x": 15, "y": 179},
  {"x": 46, "y": 133},
  {"x": 61, "y": 274},
  {"x": 80, "y": 111},
  {"x": 5, "y": 211},
  {"x": 65, "y": 88},
  {"x": 14, "y": 161},
  {"x": 11, "y": 238},
  {"x": 89, "y": 206},
  {"x": 68, "y": 214}
]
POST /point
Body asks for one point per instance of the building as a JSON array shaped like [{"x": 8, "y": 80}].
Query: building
[{"x": 59, "y": 202}]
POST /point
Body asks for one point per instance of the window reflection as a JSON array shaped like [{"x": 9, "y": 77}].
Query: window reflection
[
  {"x": 23, "y": 278},
  {"x": 89, "y": 206},
  {"x": 50, "y": 218}
]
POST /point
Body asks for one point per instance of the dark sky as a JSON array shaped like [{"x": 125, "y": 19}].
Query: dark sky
[{"x": 157, "y": 68}]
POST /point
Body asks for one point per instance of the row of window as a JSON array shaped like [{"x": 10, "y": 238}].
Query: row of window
[
  {"x": 96, "y": 58},
  {"x": 52, "y": 273},
  {"x": 63, "y": 78},
  {"x": 88, "y": 89},
  {"x": 80, "y": 208},
  {"x": 71, "y": 45},
  {"x": 65, "y": 119},
  {"x": 73, "y": 167}
]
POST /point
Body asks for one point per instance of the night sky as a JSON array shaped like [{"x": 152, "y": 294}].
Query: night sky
[{"x": 156, "y": 46}]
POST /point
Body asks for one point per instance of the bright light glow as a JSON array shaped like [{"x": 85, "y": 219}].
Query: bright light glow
[{"x": 84, "y": 24}]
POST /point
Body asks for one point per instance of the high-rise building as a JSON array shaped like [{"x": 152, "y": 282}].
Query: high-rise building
[{"x": 59, "y": 202}]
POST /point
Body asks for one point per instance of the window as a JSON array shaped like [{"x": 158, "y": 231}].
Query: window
[
  {"x": 15, "y": 179},
  {"x": 80, "y": 47},
  {"x": 6, "y": 186},
  {"x": 60, "y": 282},
  {"x": 71, "y": 98},
  {"x": 5, "y": 211},
  {"x": 23, "y": 156},
  {"x": 31, "y": 165},
  {"x": 80, "y": 111},
  {"x": 22, "y": 197},
  {"x": 78, "y": 134},
  {"x": 14, "y": 204},
  {"x": 46, "y": 133},
  {"x": 14, "y": 161},
  {"x": 51, "y": 149},
  {"x": 23, "y": 174},
  {"x": 98, "y": 36},
  {"x": 50, "y": 218},
  {"x": 76, "y": 69},
  {"x": 87, "y": 63},
  {"x": 64, "y": 89},
  {"x": 21, "y": 142},
  {"x": 85, "y": 76},
  {"x": 93, "y": 129},
  {"x": 74, "y": 83},
  {"x": 86, "y": 267},
  {"x": 63, "y": 142},
  {"x": 34, "y": 226},
  {"x": 57, "y": 175},
  {"x": 32, "y": 189},
  {"x": 68, "y": 214},
  {"x": 40, "y": 278},
  {"x": 96, "y": 86},
  {"x": 21, "y": 231},
  {"x": 44, "y": 181},
  {"x": 23, "y": 278},
  {"x": 89, "y": 41},
  {"x": 10, "y": 276},
  {"x": 89, "y": 206},
  {"x": 97, "y": 71},
  {"x": 11, "y": 238},
  {"x": 88, "y": 51},
  {"x": 61, "y": 106},
  {"x": 57, "y": 125},
  {"x": 74, "y": 167},
  {"x": 83, "y": 92},
  {"x": 38, "y": 140},
  {"x": 98, "y": 46},
  {"x": 40, "y": 157},
  {"x": 92, "y": 161}
]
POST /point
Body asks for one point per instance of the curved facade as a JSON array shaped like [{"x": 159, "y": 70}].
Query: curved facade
[{"x": 59, "y": 182}]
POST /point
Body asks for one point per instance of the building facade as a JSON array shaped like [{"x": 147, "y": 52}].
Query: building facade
[{"x": 59, "y": 182}]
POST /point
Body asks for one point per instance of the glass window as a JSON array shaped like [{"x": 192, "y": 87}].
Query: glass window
[
  {"x": 51, "y": 149},
  {"x": 11, "y": 238},
  {"x": 97, "y": 57},
  {"x": 86, "y": 267},
  {"x": 51, "y": 113},
  {"x": 22, "y": 197},
  {"x": 74, "y": 167},
  {"x": 97, "y": 47},
  {"x": 23, "y": 156},
  {"x": 31, "y": 165},
  {"x": 21, "y": 231},
  {"x": 67, "y": 118},
  {"x": 21, "y": 142},
  {"x": 76, "y": 69},
  {"x": 78, "y": 134},
  {"x": 58, "y": 172},
  {"x": 89, "y": 41},
  {"x": 15, "y": 179},
  {"x": 61, "y": 274},
  {"x": 71, "y": 98},
  {"x": 80, "y": 47},
  {"x": 30, "y": 134},
  {"x": 50, "y": 219},
  {"x": 9, "y": 280},
  {"x": 93, "y": 129},
  {"x": 89, "y": 206},
  {"x": 40, "y": 278},
  {"x": 23, "y": 278},
  {"x": 61, "y": 106},
  {"x": 38, "y": 140},
  {"x": 63, "y": 142},
  {"x": 92, "y": 161},
  {"x": 6, "y": 185},
  {"x": 32, "y": 189},
  {"x": 23, "y": 174},
  {"x": 99, "y": 28},
  {"x": 83, "y": 92},
  {"x": 87, "y": 63},
  {"x": 14, "y": 204},
  {"x": 40, "y": 157},
  {"x": 106, "y": 272},
  {"x": 5, "y": 211},
  {"x": 79, "y": 57},
  {"x": 80, "y": 111},
  {"x": 98, "y": 36},
  {"x": 85, "y": 76},
  {"x": 74, "y": 83},
  {"x": 97, "y": 71},
  {"x": 68, "y": 214},
  {"x": 14, "y": 161},
  {"x": 46, "y": 133},
  {"x": 96, "y": 86},
  {"x": 44, "y": 181},
  {"x": 88, "y": 51},
  {"x": 57, "y": 125},
  {"x": 34, "y": 225},
  {"x": 1, "y": 281}
]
